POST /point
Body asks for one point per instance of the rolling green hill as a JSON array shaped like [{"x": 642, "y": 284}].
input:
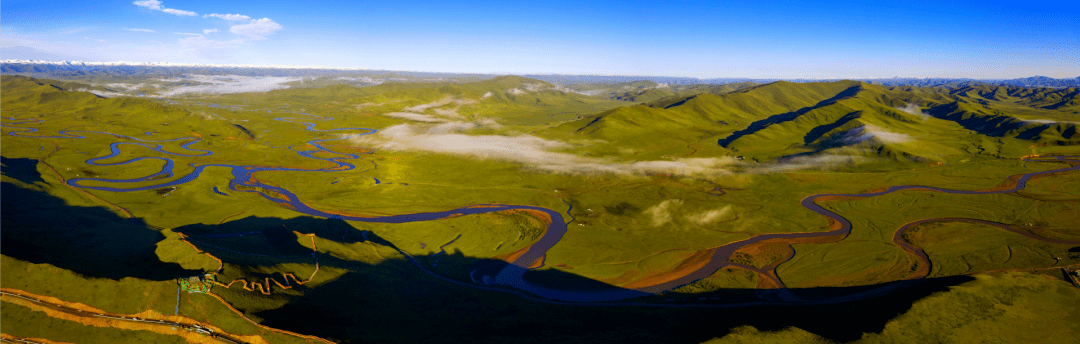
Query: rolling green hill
[
  {"x": 510, "y": 100},
  {"x": 786, "y": 120},
  {"x": 130, "y": 116}
]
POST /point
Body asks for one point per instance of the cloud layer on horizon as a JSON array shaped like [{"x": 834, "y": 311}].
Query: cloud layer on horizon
[{"x": 221, "y": 84}]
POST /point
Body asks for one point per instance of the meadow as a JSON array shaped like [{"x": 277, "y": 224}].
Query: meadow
[{"x": 647, "y": 191}]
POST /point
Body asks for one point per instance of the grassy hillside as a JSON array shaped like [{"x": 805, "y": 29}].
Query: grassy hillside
[
  {"x": 998, "y": 308},
  {"x": 126, "y": 116},
  {"x": 510, "y": 100},
  {"x": 649, "y": 91},
  {"x": 786, "y": 120}
]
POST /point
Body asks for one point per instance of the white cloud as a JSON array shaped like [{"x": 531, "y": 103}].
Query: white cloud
[
  {"x": 1040, "y": 121},
  {"x": 487, "y": 122},
  {"x": 256, "y": 29},
  {"x": 219, "y": 84},
  {"x": 154, "y": 4},
  {"x": 660, "y": 213},
  {"x": 208, "y": 31},
  {"x": 528, "y": 88},
  {"x": 362, "y": 79},
  {"x": 525, "y": 149},
  {"x": 151, "y": 4},
  {"x": 805, "y": 162},
  {"x": 890, "y": 137},
  {"x": 533, "y": 152},
  {"x": 914, "y": 110},
  {"x": 1047, "y": 121},
  {"x": 232, "y": 17},
  {"x": 208, "y": 48},
  {"x": 127, "y": 87},
  {"x": 868, "y": 131},
  {"x": 103, "y": 94},
  {"x": 437, "y": 103},
  {"x": 179, "y": 12},
  {"x": 414, "y": 112},
  {"x": 140, "y": 30},
  {"x": 187, "y": 33},
  {"x": 415, "y": 117},
  {"x": 709, "y": 216},
  {"x": 452, "y": 113}
]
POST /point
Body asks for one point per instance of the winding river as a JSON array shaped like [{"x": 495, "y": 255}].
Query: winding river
[{"x": 510, "y": 274}]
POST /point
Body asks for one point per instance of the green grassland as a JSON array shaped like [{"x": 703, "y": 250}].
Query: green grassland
[
  {"x": 964, "y": 248},
  {"x": 869, "y": 247},
  {"x": 22, "y": 322},
  {"x": 784, "y": 119},
  {"x": 125, "y": 296},
  {"x": 1001, "y": 308},
  {"x": 645, "y": 91},
  {"x": 513, "y": 101},
  {"x": 723, "y": 279},
  {"x": 622, "y": 226},
  {"x": 845, "y": 263}
]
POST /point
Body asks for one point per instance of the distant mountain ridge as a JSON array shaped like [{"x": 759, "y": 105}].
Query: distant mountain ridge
[{"x": 72, "y": 69}]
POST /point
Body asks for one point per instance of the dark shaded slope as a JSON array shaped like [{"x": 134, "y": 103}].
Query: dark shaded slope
[
  {"x": 845, "y": 118},
  {"x": 670, "y": 126},
  {"x": 385, "y": 302},
  {"x": 785, "y": 117},
  {"x": 21, "y": 169},
  {"x": 390, "y": 298},
  {"x": 999, "y": 124},
  {"x": 91, "y": 241}
]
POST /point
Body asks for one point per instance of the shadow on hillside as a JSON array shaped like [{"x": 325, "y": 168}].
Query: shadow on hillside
[
  {"x": 394, "y": 301},
  {"x": 22, "y": 169},
  {"x": 821, "y": 130},
  {"x": 252, "y": 243},
  {"x": 990, "y": 125},
  {"x": 259, "y": 241},
  {"x": 92, "y": 241},
  {"x": 787, "y": 116}
]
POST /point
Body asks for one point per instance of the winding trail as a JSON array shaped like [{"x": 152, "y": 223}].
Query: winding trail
[
  {"x": 491, "y": 277},
  {"x": 189, "y": 329}
]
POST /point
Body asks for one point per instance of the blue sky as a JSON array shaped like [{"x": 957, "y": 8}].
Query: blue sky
[{"x": 707, "y": 39}]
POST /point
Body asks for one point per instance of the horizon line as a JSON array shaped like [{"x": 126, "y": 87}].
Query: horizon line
[{"x": 270, "y": 66}]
